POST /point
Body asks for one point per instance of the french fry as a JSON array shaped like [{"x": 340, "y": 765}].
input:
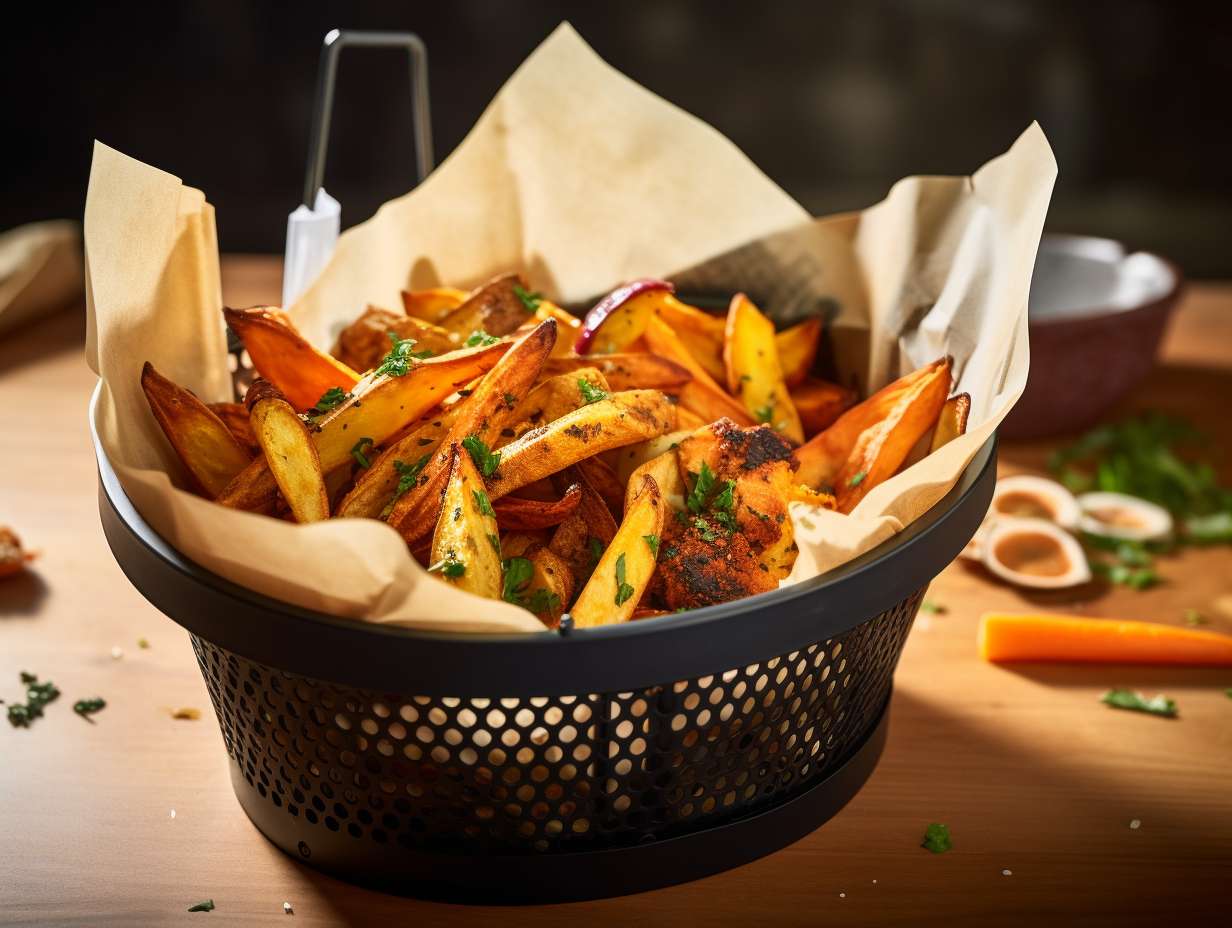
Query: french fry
[
  {"x": 621, "y": 419},
  {"x": 665, "y": 469},
  {"x": 286, "y": 359},
  {"x": 616, "y": 586},
  {"x": 479, "y": 422},
  {"x": 883, "y": 446},
  {"x": 751, "y": 358},
  {"x": 702, "y": 394},
  {"x": 550, "y": 588},
  {"x": 554, "y": 396},
  {"x": 797, "y": 347},
  {"x": 819, "y": 403},
  {"x": 514, "y": 513},
  {"x": 378, "y": 408},
  {"x": 952, "y": 422},
  {"x": 626, "y": 460},
  {"x": 582, "y": 537},
  {"x": 567, "y": 326},
  {"x": 209, "y": 451},
  {"x": 289, "y": 451},
  {"x": 684, "y": 318},
  {"x": 363, "y": 343},
  {"x": 466, "y": 543},
  {"x": 494, "y": 308},
  {"x": 603, "y": 480},
  {"x": 235, "y": 417},
  {"x": 635, "y": 371},
  {"x": 432, "y": 305}
]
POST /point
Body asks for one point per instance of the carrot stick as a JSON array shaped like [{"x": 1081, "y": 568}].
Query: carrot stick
[{"x": 1077, "y": 639}]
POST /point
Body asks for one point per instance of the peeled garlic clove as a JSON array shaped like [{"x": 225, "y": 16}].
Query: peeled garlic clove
[
  {"x": 1026, "y": 497},
  {"x": 1035, "y": 553},
  {"x": 1117, "y": 515}
]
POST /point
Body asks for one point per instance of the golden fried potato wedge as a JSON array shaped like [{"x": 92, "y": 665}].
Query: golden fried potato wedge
[
  {"x": 209, "y": 451},
  {"x": 567, "y": 327},
  {"x": 289, "y": 451},
  {"x": 626, "y": 460},
  {"x": 665, "y": 469},
  {"x": 684, "y": 318},
  {"x": 379, "y": 407},
  {"x": 516, "y": 514},
  {"x": 797, "y": 347},
  {"x": 702, "y": 394},
  {"x": 623, "y": 573},
  {"x": 882, "y": 446},
  {"x": 556, "y": 395},
  {"x": 286, "y": 359},
  {"x": 584, "y": 535},
  {"x": 432, "y": 305},
  {"x": 603, "y": 480},
  {"x": 235, "y": 417},
  {"x": 538, "y": 580},
  {"x": 363, "y": 343},
  {"x": 706, "y": 352},
  {"x": 952, "y": 422},
  {"x": 751, "y": 358},
  {"x": 621, "y": 419},
  {"x": 497, "y": 308},
  {"x": 628, "y": 371},
  {"x": 466, "y": 543},
  {"x": 820, "y": 403}
]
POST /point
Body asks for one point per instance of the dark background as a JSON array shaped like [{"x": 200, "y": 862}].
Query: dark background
[{"x": 833, "y": 100}]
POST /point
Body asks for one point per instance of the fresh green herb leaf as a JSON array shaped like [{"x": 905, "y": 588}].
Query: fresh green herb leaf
[
  {"x": 330, "y": 399},
  {"x": 530, "y": 301},
  {"x": 590, "y": 393},
  {"x": 623, "y": 589},
  {"x": 857, "y": 478},
  {"x": 510, "y": 400},
  {"x": 480, "y": 339},
  {"x": 484, "y": 457},
  {"x": 937, "y": 839},
  {"x": 87, "y": 707},
  {"x": 671, "y": 552},
  {"x": 652, "y": 542},
  {"x": 703, "y": 527},
  {"x": 494, "y": 541},
  {"x": 596, "y": 549},
  {"x": 449, "y": 567},
  {"x": 703, "y": 486},
  {"x": 38, "y": 695},
  {"x": 764, "y": 413},
  {"x": 1194, "y": 618},
  {"x": 933, "y": 608},
  {"x": 359, "y": 452},
  {"x": 725, "y": 499},
  {"x": 542, "y": 602},
  {"x": 409, "y": 473},
  {"x": 725, "y": 519},
  {"x": 482, "y": 503},
  {"x": 206, "y": 906},
  {"x": 398, "y": 362},
  {"x": 1128, "y": 699},
  {"x": 518, "y": 572}
]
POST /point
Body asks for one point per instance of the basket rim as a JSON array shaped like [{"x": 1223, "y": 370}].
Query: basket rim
[{"x": 702, "y": 641}]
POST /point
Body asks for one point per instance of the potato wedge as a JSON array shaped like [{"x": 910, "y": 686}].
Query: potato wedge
[
  {"x": 615, "y": 588},
  {"x": 516, "y": 514},
  {"x": 286, "y": 359},
  {"x": 684, "y": 318},
  {"x": 466, "y": 543},
  {"x": 379, "y": 407},
  {"x": 626, "y": 460},
  {"x": 797, "y": 347},
  {"x": 665, "y": 469},
  {"x": 751, "y": 358},
  {"x": 621, "y": 419},
  {"x": 432, "y": 305},
  {"x": 636, "y": 371},
  {"x": 554, "y": 396},
  {"x": 702, "y": 394},
  {"x": 584, "y": 535},
  {"x": 494, "y": 308},
  {"x": 538, "y": 580},
  {"x": 820, "y": 403},
  {"x": 952, "y": 422},
  {"x": 706, "y": 352},
  {"x": 363, "y": 343},
  {"x": 567, "y": 327},
  {"x": 882, "y": 447},
  {"x": 289, "y": 451},
  {"x": 210, "y": 453},
  {"x": 603, "y": 480},
  {"x": 235, "y": 417}
]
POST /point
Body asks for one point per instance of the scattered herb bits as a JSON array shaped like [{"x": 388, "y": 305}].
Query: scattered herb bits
[
  {"x": 857, "y": 478},
  {"x": 206, "y": 905},
  {"x": 652, "y": 542},
  {"x": 398, "y": 362},
  {"x": 937, "y": 839},
  {"x": 480, "y": 339},
  {"x": 486, "y": 460},
  {"x": 530, "y": 300},
  {"x": 38, "y": 695},
  {"x": 590, "y": 393},
  {"x": 1136, "y": 702},
  {"x": 623, "y": 590},
  {"x": 933, "y": 608},
  {"x": 449, "y": 567},
  {"x": 360, "y": 452},
  {"x": 88, "y": 707}
]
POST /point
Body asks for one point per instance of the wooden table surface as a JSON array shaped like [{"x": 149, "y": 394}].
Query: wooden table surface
[{"x": 1037, "y": 780}]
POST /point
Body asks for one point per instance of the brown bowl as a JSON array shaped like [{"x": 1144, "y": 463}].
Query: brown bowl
[{"x": 1096, "y": 317}]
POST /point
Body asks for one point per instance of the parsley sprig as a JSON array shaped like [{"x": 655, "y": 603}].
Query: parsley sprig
[
  {"x": 38, "y": 695},
  {"x": 1128, "y": 699},
  {"x": 87, "y": 707},
  {"x": 530, "y": 300},
  {"x": 486, "y": 460},
  {"x": 360, "y": 452},
  {"x": 448, "y": 566},
  {"x": 331, "y": 399},
  {"x": 398, "y": 362},
  {"x": 623, "y": 589},
  {"x": 590, "y": 393},
  {"x": 709, "y": 499},
  {"x": 937, "y": 838},
  {"x": 480, "y": 339},
  {"x": 518, "y": 574}
]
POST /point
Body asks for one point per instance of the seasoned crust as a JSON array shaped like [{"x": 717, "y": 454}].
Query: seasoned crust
[{"x": 702, "y": 565}]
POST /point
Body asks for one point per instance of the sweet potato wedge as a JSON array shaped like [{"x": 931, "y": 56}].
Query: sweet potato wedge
[
  {"x": 952, "y": 422},
  {"x": 603, "y": 480},
  {"x": 882, "y": 447},
  {"x": 289, "y": 451},
  {"x": 516, "y": 514},
  {"x": 702, "y": 394},
  {"x": 621, "y": 419},
  {"x": 378, "y": 408},
  {"x": 208, "y": 450},
  {"x": 820, "y": 403},
  {"x": 363, "y": 343},
  {"x": 286, "y": 359},
  {"x": 432, "y": 305},
  {"x": 797, "y": 347},
  {"x": 235, "y": 417},
  {"x": 584, "y": 535},
  {"x": 465, "y": 543},
  {"x": 751, "y": 358},
  {"x": 623, "y": 573},
  {"x": 494, "y": 308},
  {"x": 635, "y": 371}
]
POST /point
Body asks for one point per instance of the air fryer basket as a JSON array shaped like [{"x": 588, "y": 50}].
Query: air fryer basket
[{"x": 552, "y": 766}]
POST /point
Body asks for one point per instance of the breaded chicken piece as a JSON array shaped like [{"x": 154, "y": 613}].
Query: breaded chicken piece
[{"x": 701, "y": 564}]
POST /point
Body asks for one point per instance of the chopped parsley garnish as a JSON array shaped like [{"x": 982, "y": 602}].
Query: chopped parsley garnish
[
  {"x": 409, "y": 473},
  {"x": 933, "y": 608},
  {"x": 518, "y": 571},
  {"x": 398, "y": 362},
  {"x": 359, "y": 452},
  {"x": 482, "y": 503},
  {"x": 87, "y": 707},
  {"x": 590, "y": 393},
  {"x": 38, "y": 695},
  {"x": 725, "y": 498},
  {"x": 1128, "y": 699},
  {"x": 330, "y": 399},
  {"x": 652, "y": 542},
  {"x": 530, "y": 301},
  {"x": 205, "y": 906},
  {"x": 494, "y": 541},
  {"x": 623, "y": 589},
  {"x": 703, "y": 527},
  {"x": 480, "y": 339},
  {"x": 764, "y": 414},
  {"x": 703, "y": 486},
  {"x": 542, "y": 601},
  {"x": 704, "y": 496},
  {"x": 510, "y": 400},
  {"x": 596, "y": 549},
  {"x": 484, "y": 457},
  {"x": 937, "y": 839},
  {"x": 857, "y": 478},
  {"x": 449, "y": 567}
]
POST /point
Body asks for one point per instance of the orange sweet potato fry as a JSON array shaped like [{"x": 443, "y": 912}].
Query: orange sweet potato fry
[
  {"x": 702, "y": 394},
  {"x": 432, "y": 305},
  {"x": 797, "y": 347},
  {"x": 820, "y": 403},
  {"x": 516, "y": 514},
  {"x": 627, "y": 371}
]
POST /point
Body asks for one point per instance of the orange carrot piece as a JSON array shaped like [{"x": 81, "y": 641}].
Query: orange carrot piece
[{"x": 1077, "y": 639}]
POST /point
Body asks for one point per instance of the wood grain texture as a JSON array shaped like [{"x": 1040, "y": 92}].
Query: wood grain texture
[{"x": 1031, "y": 773}]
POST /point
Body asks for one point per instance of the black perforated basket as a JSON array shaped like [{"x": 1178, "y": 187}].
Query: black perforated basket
[{"x": 552, "y": 766}]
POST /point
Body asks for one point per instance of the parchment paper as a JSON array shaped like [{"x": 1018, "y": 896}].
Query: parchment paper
[{"x": 582, "y": 179}]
